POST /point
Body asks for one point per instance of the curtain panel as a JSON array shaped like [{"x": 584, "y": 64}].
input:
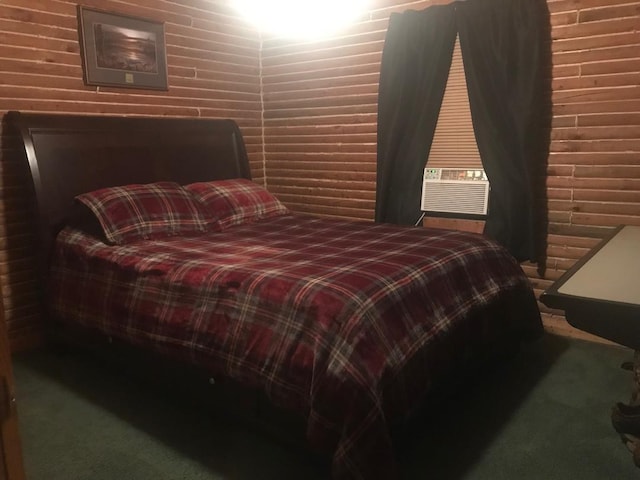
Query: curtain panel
[{"x": 502, "y": 43}]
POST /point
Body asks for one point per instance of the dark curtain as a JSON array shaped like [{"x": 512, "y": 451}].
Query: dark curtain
[
  {"x": 501, "y": 42},
  {"x": 413, "y": 75},
  {"x": 501, "y": 49}
]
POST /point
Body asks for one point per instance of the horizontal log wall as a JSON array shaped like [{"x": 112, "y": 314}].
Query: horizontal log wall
[
  {"x": 594, "y": 166},
  {"x": 213, "y": 66},
  {"x": 320, "y": 102}
]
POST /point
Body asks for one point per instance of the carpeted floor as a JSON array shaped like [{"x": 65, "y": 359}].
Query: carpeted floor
[{"x": 545, "y": 415}]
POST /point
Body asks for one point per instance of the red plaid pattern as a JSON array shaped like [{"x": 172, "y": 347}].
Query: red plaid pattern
[
  {"x": 236, "y": 201},
  {"x": 141, "y": 212},
  {"x": 348, "y": 322}
]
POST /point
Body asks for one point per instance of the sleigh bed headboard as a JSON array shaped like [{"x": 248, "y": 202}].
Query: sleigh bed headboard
[{"x": 72, "y": 154}]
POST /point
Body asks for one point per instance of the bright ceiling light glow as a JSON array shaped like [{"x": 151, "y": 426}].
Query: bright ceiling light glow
[{"x": 301, "y": 18}]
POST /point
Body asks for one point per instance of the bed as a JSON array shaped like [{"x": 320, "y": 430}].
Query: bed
[{"x": 350, "y": 326}]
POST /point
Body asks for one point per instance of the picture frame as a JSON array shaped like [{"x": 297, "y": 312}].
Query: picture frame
[{"x": 122, "y": 51}]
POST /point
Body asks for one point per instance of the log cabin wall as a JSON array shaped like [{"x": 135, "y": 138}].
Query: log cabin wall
[
  {"x": 213, "y": 67},
  {"x": 320, "y": 125},
  {"x": 319, "y": 102}
]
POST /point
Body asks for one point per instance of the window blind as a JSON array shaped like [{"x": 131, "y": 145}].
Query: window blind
[{"x": 454, "y": 142}]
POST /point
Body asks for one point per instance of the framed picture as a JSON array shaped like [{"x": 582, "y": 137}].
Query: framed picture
[{"x": 122, "y": 51}]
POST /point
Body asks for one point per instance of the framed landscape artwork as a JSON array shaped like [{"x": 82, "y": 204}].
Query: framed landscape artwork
[{"x": 122, "y": 51}]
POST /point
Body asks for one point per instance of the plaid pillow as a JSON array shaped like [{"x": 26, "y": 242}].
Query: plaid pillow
[
  {"x": 236, "y": 201},
  {"x": 155, "y": 210}
]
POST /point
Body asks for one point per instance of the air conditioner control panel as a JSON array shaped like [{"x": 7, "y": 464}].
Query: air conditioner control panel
[{"x": 454, "y": 174}]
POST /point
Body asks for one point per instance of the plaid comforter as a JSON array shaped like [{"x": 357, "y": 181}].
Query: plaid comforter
[{"x": 344, "y": 321}]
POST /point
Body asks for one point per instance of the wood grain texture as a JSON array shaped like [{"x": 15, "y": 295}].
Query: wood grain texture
[
  {"x": 308, "y": 111},
  {"x": 11, "y": 462}
]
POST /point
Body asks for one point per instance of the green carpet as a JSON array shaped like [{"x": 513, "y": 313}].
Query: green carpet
[{"x": 544, "y": 415}]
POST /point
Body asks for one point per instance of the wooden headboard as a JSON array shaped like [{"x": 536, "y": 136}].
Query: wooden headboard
[{"x": 72, "y": 154}]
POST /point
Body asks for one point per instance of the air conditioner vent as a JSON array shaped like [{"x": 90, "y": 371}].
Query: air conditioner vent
[{"x": 456, "y": 191}]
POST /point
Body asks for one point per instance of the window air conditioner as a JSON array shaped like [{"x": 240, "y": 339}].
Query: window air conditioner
[{"x": 455, "y": 191}]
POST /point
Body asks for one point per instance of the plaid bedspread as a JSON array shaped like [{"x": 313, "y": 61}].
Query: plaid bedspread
[{"x": 340, "y": 320}]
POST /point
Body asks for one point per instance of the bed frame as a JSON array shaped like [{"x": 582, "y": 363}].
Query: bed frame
[{"x": 69, "y": 155}]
